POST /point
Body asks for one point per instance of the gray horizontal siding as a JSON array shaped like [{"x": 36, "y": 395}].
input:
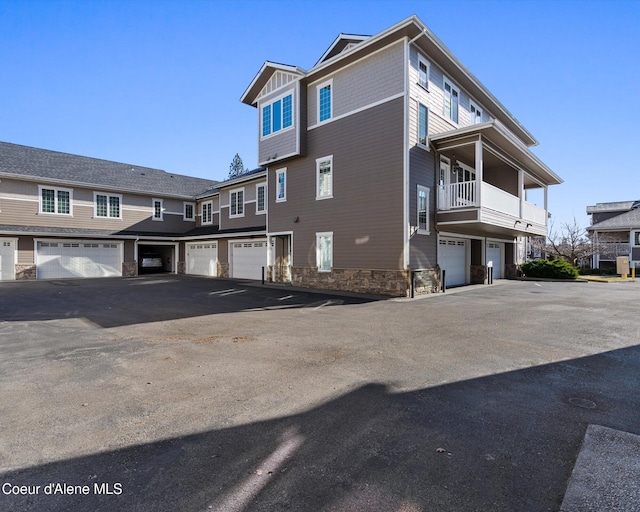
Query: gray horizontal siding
[
  {"x": 423, "y": 247},
  {"x": 365, "y": 213}
]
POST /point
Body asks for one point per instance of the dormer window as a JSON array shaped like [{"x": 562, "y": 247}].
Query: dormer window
[{"x": 277, "y": 115}]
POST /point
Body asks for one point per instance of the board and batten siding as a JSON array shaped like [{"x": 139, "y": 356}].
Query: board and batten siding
[
  {"x": 365, "y": 213},
  {"x": 20, "y": 202},
  {"x": 373, "y": 79}
]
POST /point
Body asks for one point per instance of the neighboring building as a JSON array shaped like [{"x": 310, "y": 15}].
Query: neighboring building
[
  {"x": 388, "y": 161},
  {"x": 66, "y": 216},
  {"x": 384, "y": 164},
  {"x": 615, "y": 231}
]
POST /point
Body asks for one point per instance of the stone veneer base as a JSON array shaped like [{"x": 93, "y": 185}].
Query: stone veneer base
[{"x": 25, "y": 272}]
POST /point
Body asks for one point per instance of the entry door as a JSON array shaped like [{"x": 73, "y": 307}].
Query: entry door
[
  {"x": 452, "y": 257},
  {"x": 494, "y": 259},
  {"x": 7, "y": 260},
  {"x": 202, "y": 259}
]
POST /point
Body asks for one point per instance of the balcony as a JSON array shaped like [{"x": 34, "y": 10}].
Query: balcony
[
  {"x": 492, "y": 206},
  {"x": 489, "y": 182}
]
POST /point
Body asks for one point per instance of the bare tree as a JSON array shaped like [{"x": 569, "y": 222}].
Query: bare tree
[
  {"x": 571, "y": 242},
  {"x": 237, "y": 167}
]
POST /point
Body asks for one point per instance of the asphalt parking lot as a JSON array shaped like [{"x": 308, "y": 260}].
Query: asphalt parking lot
[{"x": 167, "y": 393}]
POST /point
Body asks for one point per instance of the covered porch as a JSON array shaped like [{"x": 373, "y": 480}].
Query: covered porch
[{"x": 490, "y": 184}]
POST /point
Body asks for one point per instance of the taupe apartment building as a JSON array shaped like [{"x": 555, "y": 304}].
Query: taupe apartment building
[{"x": 381, "y": 166}]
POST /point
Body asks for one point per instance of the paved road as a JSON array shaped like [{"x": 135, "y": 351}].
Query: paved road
[{"x": 179, "y": 393}]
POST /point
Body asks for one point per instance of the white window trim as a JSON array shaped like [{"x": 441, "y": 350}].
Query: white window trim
[
  {"x": 318, "y": 88},
  {"x": 322, "y": 235},
  {"x": 454, "y": 87},
  {"x": 478, "y": 109},
  {"x": 271, "y": 102},
  {"x": 423, "y": 60},
  {"x": 635, "y": 234},
  {"x": 236, "y": 191},
  {"x": 184, "y": 211},
  {"x": 153, "y": 209},
  {"x": 264, "y": 210},
  {"x": 55, "y": 199},
  {"x": 95, "y": 205},
  {"x": 278, "y": 173},
  {"x": 425, "y": 144},
  {"x": 427, "y": 192},
  {"x": 318, "y": 162},
  {"x": 203, "y": 220}
]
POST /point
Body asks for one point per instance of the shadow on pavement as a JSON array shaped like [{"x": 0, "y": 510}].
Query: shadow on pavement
[
  {"x": 497, "y": 443},
  {"x": 114, "y": 302}
]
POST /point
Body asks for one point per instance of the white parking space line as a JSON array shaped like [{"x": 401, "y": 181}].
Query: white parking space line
[
  {"x": 287, "y": 297},
  {"x": 224, "y": 293}
]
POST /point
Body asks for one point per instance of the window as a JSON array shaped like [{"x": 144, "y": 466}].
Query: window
[
  {"x": 423, "y": 124},
  {"x": 451, "y": 101},
  {"x": 423, "y": 72},
  {"x": 158, "y": 210},
  {"x": 189, "y": 211},
  {"x": 325, "y": 107},
  {"x": 107, "y": 206},
  {"x": 55, "y": 200},
  {"x": 476, "y": 113},
  {"x": 281, "y": 185},
  {"x": 261, "y": 206},
  {"x": 236, "y": 207},
  {"x": 324, "y": 177},
  {"x": 324, "y": 251},
  {"x": 277, "y": 115},
  {"x": 423, "y": 210},
  {"x": 637, "y": 238},
  {"x": 207, "y": 212}
]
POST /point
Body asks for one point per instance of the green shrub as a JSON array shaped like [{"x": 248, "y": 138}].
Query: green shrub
[{"x": 556, "y": 269}]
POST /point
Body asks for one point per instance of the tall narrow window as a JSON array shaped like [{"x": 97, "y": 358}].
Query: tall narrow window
[
  {"x": 189, "y": 211},
  {"x": 423, "y": 127},
  {"x": 281, "y": 185},
  {"x": 261, "y": 206},
  {"x": 423, "y": 210},
  {"x": 451, "y": 101},
  {"x": 324, "y": 251},
  {"x": 324, "y": 177},
  {"x": 266, "y": 120},
  {"x": 158, "y": 210},
  {"x": 423, "y": 72},
  {"x": 476, "y": 113},
  {"x": 207, "y": 213},
  {"x": 325, "y": 107}
]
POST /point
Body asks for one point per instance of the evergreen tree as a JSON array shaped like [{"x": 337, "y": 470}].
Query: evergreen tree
[{"x": 237, "y": 167}]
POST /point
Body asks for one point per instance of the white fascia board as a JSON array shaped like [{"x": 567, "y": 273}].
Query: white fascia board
[{"x": 245, "y": 98}]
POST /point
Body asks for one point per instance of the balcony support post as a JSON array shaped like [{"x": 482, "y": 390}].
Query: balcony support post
[
  {"x": 478, "y": 199},
  {"x": 521, "y": 194},
  {"x": 546, "y": 206}
]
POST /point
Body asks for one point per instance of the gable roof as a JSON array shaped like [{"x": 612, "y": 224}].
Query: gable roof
[
  {"x": 340, "y": 43},
  {"x": 626, "y": 220},
  {"x": 418, "y": 34},
  {"x": 616, "y": 206},
  {"x": 237, "y": 180},
  {"x": 24, "y": 162}
]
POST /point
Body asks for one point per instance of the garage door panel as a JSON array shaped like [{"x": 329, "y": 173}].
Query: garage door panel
[
  {"x": 58, "y": 260},
  {"x": 247, "y": 258},
  {"x": 452, "y": 258},
  {"x": 7, "y": 260},
  {"x": 494, "y": 259},
  {"x": 202, "y": 259}
]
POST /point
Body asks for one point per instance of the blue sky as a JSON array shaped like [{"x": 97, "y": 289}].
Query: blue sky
[{"x": 158, "y": 83}]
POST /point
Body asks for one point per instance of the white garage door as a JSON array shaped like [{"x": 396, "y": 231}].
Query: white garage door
[
  {"x": 78, "y": 258},
  {"x": 494, "y": 259},
  {"x": 452, "y": 256},
  {"x": 202, "y": 259},
  {"x": 7, "y": 259},
  {"x": 247, "y": 258}
]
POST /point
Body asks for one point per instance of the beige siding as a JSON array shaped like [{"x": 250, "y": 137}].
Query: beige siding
[
  {"x": 368, "y": 81},
  {"x": 250, "y": 219},
  {"x": 365, "y": 213},
  {"x": 19, "y": 204}
]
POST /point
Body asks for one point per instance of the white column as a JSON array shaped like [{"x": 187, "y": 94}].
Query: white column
[{"x": 478, "y": 172}]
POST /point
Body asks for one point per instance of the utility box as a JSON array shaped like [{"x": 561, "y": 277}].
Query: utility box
[{"x": 622, "y": 265}]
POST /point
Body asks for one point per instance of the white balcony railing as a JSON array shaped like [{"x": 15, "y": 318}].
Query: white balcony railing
[{"x": 464, "y": 194}]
